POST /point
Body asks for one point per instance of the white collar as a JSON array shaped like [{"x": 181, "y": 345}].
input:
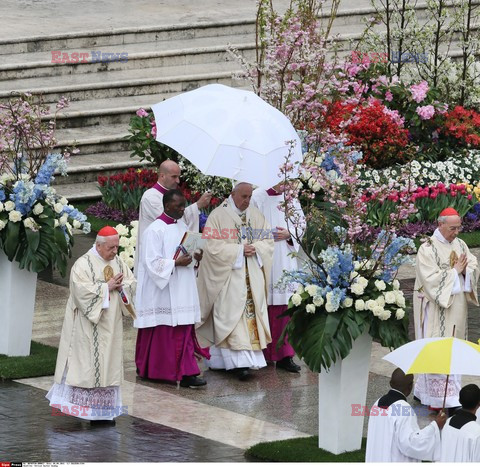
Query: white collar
[
  {"x": 440, "y": 237},
  {"x": 95, "y": 252},
  {"x": 234, "y": 207}
]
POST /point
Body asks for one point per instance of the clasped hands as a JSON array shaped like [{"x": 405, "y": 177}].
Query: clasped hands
[
  {"x": 185, "y": 260},
  {"x": 461, "y": 264},
  {"x": 116, "y": 282}
]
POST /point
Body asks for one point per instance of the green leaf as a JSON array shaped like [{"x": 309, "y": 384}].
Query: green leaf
[{"x": 12, "y": 239}]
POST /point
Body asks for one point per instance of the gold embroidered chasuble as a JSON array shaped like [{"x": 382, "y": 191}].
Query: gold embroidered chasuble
[
  {"x": 91, "y": 340},
  {"x": 233, "y": 301}
]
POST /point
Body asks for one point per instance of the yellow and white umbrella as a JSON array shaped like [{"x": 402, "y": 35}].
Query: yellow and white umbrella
[{"x": 438, "y": 355}]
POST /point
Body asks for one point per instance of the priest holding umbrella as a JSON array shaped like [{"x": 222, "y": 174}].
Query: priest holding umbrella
[{"x": 446, "y": 281}]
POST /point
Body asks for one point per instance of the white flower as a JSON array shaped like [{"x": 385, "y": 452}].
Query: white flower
[
  {"x": 357, "y": 289},
  {"x": 357, "y": 265},
  {"x": 29, "y": 223},
  {"x": 370, "y": 304},
  {"x": 130, "y": 262},
  {"x": 58, "y": 207},
  {"x": 390, "y": 297},
  {"x": 63, "y": 200},
  {"x": 63, "y": 220},
  {"x": 347, "y": 303},
  {"x": 359, "y": 305},
  {"x": 1, "y": 207},
  {"x": 296, "y": 299},
  {"x": 353, "y": 275},
  {"x": 133, "y": 241},
  {"x": 399, "y": 314},
  {"x": 2, "y": 224},
  {"x": 130, "y": 250},
  {"x": 9, "y": 206},
  {"x": 401, "y": 301},
  {"x": 362, "y": 281},
  {"x": 121, "y": 229},
  {"x": 380, "y": 285},
  {"x": 377, "y": 310},
  {"x": 124, "y": 242},
  {"x": 300, "y": 289},
  {"x": 329, "y": 308},
  {"x": 396, "y": 284},
  {"x": 37, "y": 209},
  {"x": 15, "y": 216},
  {"x": 56, "y": 223},
  {"x": 380, "y": 301},
  {"x": 134, "y": 224},
  {"x": 385, "y": 314},
  {"x": 123, "y": 255},
  {"x": 311, "y": 289},
  {"x": 77, "y": 224},
  {"x": 310, "y": 308},
  {"x": 318, "y": 300}
]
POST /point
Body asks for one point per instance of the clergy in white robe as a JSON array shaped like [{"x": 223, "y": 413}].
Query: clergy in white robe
[
  {"x": 151, "y": 204},
  {"x": 232, "y": 282},
  {"x": 89, "y": 368},
  {"x": 461, "y": 434},
  {"x": 393, "y": 431},
  {"x": 284, "y": 259},
  {"x": 446, "y": 280},
  {"x": 167, "y": 302}
]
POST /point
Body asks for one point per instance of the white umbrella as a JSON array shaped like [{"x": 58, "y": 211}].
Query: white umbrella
[{"x": 228, "y": 132}]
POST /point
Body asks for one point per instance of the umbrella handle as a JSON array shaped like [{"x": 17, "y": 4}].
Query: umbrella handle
[{"x": 446, "y": 383}]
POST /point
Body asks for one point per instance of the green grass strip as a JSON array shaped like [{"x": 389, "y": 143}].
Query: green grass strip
[
  {"x": 40, "y": 362},
  {"x": 301, "y": 450}
]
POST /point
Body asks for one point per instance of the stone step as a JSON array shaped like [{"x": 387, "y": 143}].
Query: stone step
[
  {"x": 123, "y": 83},
  {"x": 206, "y": 51},
  {"x": 79, "y": 191},
  {"x": 101, "y": 38},
  {"x": 87, "y": 168}
]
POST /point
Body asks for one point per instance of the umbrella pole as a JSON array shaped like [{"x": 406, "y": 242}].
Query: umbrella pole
[{"x": 446, "y": 383}]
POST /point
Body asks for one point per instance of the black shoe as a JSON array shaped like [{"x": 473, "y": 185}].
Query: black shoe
[
  {"x": 288, "y": 364},
  {"x": 102, "y": 422},
  {"x": 241, "y": 373},
  {"x": 192, "y": 382}
]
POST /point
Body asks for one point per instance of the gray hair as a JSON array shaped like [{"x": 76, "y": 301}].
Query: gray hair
[
  {"x": 442, "y": 219},
  {"x": 99, "y": 239},
  {"x": 240, "y": 184}
]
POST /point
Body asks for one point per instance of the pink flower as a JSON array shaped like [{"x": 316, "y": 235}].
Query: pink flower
[
  {"x": 426, "y": 112},
  {"x": 142, "y": 113},
  {"x": 419, "y": 91},
  {"x": 388, "y": 96}
]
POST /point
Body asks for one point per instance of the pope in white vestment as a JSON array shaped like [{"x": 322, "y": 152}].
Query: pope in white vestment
[
  {"x": 233, "y": 279},
  {"x": 285, "y": 247},
  {"x": 89, "y": 368},
  {"x": 151, "y": 204},
  {"x": 167, "y": 302},
  {"x": 461, "y": 433},
  {"x": 393, "y": 431},
  {"x": 446, "y": 280}
]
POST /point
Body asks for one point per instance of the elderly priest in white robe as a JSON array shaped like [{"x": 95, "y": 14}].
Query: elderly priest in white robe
[
  {"x": 151, "y": 204},
  {"x": 89, "y": 368},
  {"x": 446, "y": 281},
  {"x": 393, "y": 431},
  {"x": 232, "y": 282},
  {"x": 167, "y": 301},
  {"x": 461, "y": 434},
  {"x": 269, "y": 203}
]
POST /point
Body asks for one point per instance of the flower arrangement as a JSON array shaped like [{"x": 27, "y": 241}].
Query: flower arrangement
[
  {"x": 464, "y": 126},
  {"x": 124, "y": 191},
  {"x": 127, "y": 242},
  {"x": 36, "y": 224}
]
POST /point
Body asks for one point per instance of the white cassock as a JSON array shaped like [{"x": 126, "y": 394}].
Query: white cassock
[
  {"x": 461, "y": 438},
  {"x": 440, "y": 301},
  {"x": 167, "y": 295},
  {"x": 89, "y": 367},
  {"x": 396, "y": 437},
  {"x": 282, "y": 255},
  {"x": 151, "y": 206}
]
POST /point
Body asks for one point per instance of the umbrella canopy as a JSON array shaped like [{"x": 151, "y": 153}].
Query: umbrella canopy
[
  {"x": 437, "y": 355},
  {"x": 228, "y": 132}
]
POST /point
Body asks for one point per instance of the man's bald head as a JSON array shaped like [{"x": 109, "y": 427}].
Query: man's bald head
[
  {"x": 241, "y": 195},
  {"x": 169, "y": 174},
  {"x": 401, "y": 382}
]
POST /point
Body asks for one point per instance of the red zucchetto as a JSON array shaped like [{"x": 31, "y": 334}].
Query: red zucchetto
[
  {"x": 449, "y": 212},
  {"x": 107, "y": 231}
]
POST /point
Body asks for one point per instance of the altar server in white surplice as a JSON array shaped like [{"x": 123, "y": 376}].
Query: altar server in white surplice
[
  {"x": 269, "y": 203},
  {"x": 232, "y": 282},
  {"x": 151, "y": 205},
  {"x": 393, "y": 431},
  {"x": 446, "y": 280},
  {"x": 461, "y": 434},
  {"x": 89, "y": 367},
  {"x": 167, "y": 301}
]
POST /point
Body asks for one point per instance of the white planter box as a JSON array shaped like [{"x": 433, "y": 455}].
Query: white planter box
[
  {"x": 342, "y": 386},
  {"x": 17, "y": 304}
]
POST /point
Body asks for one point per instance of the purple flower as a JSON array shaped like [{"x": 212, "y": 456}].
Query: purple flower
[
  {"x": 142, "y": 113},
  {"x": 419, "y": 91},
  {"x": 426, "y": 112}
]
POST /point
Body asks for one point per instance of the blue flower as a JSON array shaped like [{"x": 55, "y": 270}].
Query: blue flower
[{"x": 2, "y": 196}]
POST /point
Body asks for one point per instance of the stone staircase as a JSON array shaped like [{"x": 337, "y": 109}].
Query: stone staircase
[{"x": 162, "y": 61}]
